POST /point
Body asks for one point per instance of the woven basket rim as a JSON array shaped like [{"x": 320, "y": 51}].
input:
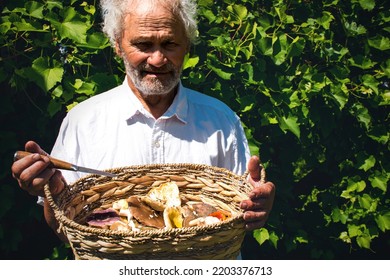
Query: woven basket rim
[{"x": 65, "y": 221}]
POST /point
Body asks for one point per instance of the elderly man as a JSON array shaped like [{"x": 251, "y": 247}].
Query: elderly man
[{"x": 151, "y": 117}]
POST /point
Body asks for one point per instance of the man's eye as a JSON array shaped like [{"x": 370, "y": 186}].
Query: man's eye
[
  {"x": 142, "y": 45},
  {"x": 170, "y": 45}
]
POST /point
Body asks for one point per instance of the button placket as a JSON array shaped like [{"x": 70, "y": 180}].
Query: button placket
[{"x": 157, "y": 137}]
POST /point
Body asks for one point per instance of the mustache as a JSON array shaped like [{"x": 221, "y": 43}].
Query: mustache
[{"x": 150, "y": 68}]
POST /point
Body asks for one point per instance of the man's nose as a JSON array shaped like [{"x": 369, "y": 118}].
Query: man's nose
[{"x": 157, "y": 58}]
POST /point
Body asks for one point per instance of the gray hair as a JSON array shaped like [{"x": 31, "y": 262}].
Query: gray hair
[{"x": 114, "y": 12}]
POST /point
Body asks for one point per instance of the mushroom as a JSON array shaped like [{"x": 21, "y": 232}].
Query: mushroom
[
  {"x": 120, "y": 225},
  {"x": 144, "y": 214},
  {"x": 192, "y": 211},
  {"x": 165, "y": 195},
  {"x": 204, "y": 221},
  {"x": 173, "y": 217},
  {"x": 103, "y": 218}
]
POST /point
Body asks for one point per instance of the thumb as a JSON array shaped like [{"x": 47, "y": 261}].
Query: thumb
[{"x": 254, "y": 168}]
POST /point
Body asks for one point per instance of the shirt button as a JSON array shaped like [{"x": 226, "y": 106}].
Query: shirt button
[{"x": 157, "y": 144}]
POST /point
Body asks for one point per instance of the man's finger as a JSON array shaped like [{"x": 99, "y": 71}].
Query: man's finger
[
  {"x": 33, "y": 147},
  {"x": 254, "y": 168}
]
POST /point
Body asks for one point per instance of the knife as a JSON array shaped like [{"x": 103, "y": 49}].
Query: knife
[{"x": 60, "y": 164}]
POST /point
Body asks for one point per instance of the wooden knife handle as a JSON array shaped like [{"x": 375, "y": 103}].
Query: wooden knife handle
[{"x": 60, "y": 164}]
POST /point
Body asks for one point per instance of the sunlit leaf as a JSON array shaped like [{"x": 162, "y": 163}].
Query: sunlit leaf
[
  {"x": 35, "y": 9},
  {"x": 261, "y": 235},
  {"x": 353, "y": 230},
  {"x": 241, "y": 11},
  {"x": 72, "y": 26},
  {"x": 190, "y": 62},
  {"x": 45, "y": 75},
  {"x": 367, "y": 4},
  {"x": 356, "y": 186},
  {"x": 380, "y": 43},
  {"x": 326, "y": 19},
  {"x": 368, "y": 163},
  {"x": 362, "y": 62},
  {"x": 364, "y": 241},
  {"x": 290, "y": 123},
  {"x": 383, "y": 221},
  {"x": 379, "y": 181},
  {"x": 365, "y": 201}
]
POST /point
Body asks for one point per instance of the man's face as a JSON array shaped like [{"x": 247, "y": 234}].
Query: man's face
[{"x": 153, "y": 46}]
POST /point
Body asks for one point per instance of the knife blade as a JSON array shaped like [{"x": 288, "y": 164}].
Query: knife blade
[{"x": 60, "y": 164}]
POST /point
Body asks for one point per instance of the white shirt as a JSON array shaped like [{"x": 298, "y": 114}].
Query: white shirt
[{"x": 113, "y": 130}]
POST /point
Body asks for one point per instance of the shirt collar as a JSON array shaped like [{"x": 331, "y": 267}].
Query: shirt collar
[{"x": 178, "y": 108}]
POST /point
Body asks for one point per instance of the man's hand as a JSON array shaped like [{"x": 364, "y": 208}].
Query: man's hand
[
  {"x": 261, "y": 198},
  {"x": 33, "y": 172}
]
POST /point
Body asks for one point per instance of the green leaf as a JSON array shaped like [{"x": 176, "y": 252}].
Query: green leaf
[
  {"x": 339, "y": 216},
  {"x": 241, "y": 11},
  {"x": 247, "y": 102},
  {"x": 89, "y": 9},
  {"x": 380, "y": 134},
  {"x": 340, "y": 94},
  {"x": 296, "y": 47},
  {"x": 282, "y": 43},
  {"x": 84, "y": 87},
  {"x": 252, "y": 142},
  {"x": 265, "y": 45},
  {"x": 209, "y": 15},
  {"x": 274, "y": 238},
  {"x": 353, "y": 230},
  {"x": 345, "y": 237},
  {"x": 383, "y": 221},
  {"x": 290, "y": 123},
  {"x": 365, "y": 201},
  {"x": 96, "y": 41},
  {"x": 379, "y": 181},
  {"x": 24, "y": 26},
  {"x": 35, "y": 9},
  {"x": 301, "y": 237},
  {"x": 261, "y": 235},
  {"x": 248, "y": 68},
  {"x": 362, "y": 114},
  {"x": 51, "y": 4},
  {"x": 326, "y": 19},
  {"x": 73, "y": 26},
  {"x": 224, "y": 75},
  {"x": 70, "y": 106},
  {"x": 356, "y": 186},
  {"x": 354, "y": 29},
  {"x": 380, "y": 43},
  {"x": 362, "y": 62},
  {"x": 364, "y": 241},
  {"x": 57, "y": 92},
  {"x": 43, "y": 73},
  {"x": 368, "y": 163},
  {"x": 367, "y": 4},
  {"x": 190, "y": 62},
  {"x": 371, "y": 82}
]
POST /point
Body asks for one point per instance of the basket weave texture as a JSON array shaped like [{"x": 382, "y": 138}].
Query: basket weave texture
[{"x": 216, "y": 186}]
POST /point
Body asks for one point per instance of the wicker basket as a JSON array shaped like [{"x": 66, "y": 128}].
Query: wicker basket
[{"x": 217, "y": 186}]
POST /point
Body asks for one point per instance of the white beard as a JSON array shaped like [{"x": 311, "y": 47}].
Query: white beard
[{"x": 152, "y": 86}]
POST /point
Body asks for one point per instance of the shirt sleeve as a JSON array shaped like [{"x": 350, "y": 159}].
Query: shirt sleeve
[
  {"x": 241, "y": 153},
  {"x": 66, "y": 148}
]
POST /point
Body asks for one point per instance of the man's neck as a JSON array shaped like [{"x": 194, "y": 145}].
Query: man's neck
[{"x": 156, "y": 105}]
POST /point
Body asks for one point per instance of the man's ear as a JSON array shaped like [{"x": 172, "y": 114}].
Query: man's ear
[{"x": 118, "y": 49}]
